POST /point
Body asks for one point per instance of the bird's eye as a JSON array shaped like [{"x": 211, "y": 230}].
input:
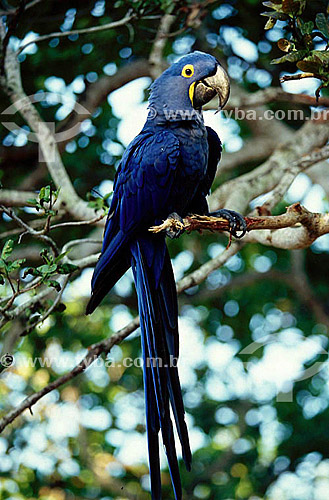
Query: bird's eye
[{"x": 188, "y": 70}]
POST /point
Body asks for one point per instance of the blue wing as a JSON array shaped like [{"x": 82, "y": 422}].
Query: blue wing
[
  {"x": 142, "y": 189},
  {"x": 199, "y": 204}
]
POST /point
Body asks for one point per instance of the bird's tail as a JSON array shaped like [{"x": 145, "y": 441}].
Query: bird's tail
[{"x": 157, "y": 301}]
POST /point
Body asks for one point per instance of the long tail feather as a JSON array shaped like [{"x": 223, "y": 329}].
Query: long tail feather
[
  {"x": 169, "y": 312},
  {"x": 152, "y": 425},
  {"x": 158, "y": 313}
]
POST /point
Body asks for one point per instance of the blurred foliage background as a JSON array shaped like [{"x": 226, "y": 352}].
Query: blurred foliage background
[{"x": 86, "y": 439}]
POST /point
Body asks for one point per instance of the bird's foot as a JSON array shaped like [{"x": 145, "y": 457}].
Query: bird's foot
[
  {"x": 176, "y": 226},
  {"x": 236, "y": 221}
]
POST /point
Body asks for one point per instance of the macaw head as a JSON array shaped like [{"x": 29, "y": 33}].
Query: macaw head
[{"x": 187, "y": 85}]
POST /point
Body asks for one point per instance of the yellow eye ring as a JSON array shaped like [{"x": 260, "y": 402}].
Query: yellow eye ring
[{"x": 188, "y": 70}]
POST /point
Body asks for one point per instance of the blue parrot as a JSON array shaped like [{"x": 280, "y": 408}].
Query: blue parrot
[{"x": 166, "y": 170}]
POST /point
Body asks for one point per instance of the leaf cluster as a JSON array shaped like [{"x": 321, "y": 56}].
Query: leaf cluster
[
  {"x": 300, "y": 43},
  {"x": 51, "y": 266},
  {"x": 98, "y": 202},
  {"x": 45, "y": 201},
  {"x": 8, "y": 266}
]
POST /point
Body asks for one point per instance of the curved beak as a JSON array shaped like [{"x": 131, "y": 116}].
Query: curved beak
[{"x": 206, "y": 89}]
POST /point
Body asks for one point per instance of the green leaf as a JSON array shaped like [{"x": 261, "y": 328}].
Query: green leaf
[
  {"x": 270, "y": 23},
  {"x": 2, "y": 280},
  {"x": 7, "y": 249},
  {"x": 291, "y": 57},
  {"x": 273, "y": 5},
  {"x": 46, "y": 256},
  {"x": 55, "y": 194},
  {"x": 321, "y": 56},
  {"x": 32, "y": 201},
  {"x": 54, "y": 284},
  {"x": 278, "y": 16},
  {"x": 322, "y": 24},
  {"x": 108, "y": 195},
  {"x": 15, "y": 265},
  {"x": 61, "y": 256},
  {"x": 47, "y": 269},
  {"x": 307, "y": 28},
  {"x": 44, "y": 195},
  {"x": 67, "y": 268}
]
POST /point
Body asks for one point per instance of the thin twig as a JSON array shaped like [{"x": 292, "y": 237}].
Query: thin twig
[
  {"x": 57, "y": 300},
  {"x": 29, "y": 230},
  {"x": 13, "y": 11},
  {"x": 78, "y": 223},
  {"x": 92, "y": 29},
  {"x": 11, "y": 26},
  {"x": 105, "y": 346},
  {"x": 291, "y": 172},
  {"x": 93, "y": 353},
  {"x": 295, "y": 214},
  {"x": 73, "y": 243},
  {"x": 16, "y": 293}
]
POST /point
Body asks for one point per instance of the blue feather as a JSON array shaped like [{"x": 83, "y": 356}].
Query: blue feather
[{"x": 169, "y": 167}]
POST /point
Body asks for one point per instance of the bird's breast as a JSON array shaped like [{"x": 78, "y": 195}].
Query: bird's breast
[{"x": 193, "y": 166}]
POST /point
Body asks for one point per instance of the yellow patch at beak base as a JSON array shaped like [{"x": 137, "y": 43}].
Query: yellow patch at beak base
[{"x": 191, "y": 92}]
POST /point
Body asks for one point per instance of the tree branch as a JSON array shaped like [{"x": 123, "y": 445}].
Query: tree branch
[
  {"x": 291, "y": 173},
  {"x": 156, "y": 55},
  {"x": 254, "y": 150},
  {"x": 13, "y": 11},
  {"x": 12, "y": 85},
  {"x": 295, "y": 214},
  {"x": 52, "y": 308},
  {"x": 94, "y": 351},
  {"x": 288, "y": 157},
  {"x": 13, "y": 198},
  {"x": 29, "y": 230},
  {"x": 273, "y": 94},
  {"x": 93, "y": 29},
  {"x": 311, "y": 226}
]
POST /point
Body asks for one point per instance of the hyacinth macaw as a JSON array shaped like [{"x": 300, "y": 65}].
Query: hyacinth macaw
[{"x": 167, "y": 169}]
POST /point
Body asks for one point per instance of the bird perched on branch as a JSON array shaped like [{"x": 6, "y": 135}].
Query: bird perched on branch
[{"x": 166, "y": 170}]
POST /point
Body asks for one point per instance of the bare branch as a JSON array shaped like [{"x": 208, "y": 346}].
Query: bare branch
[
  {"x": 106, "y": 345},
  {"x": 13, "y": 11},
  {"x": 254, "y": 150},
  {"x": 13, "y": 198},
  {"x": 290, "y": 174},
  {"x": 93, "y": 353},
  {"x": 57, "y": 300},
  {"x": 79, "y": 223},
  {"x": 12, "y": 85},
  {"x": 273, "y": 94},
  {"x": 237, "y": 193},
  {"x": 93, "y": 29},
  {"x": 156, "y": 55},
  {"x": 73, "y": 243},
  {"x": 29, "y": 230},
  {"x": 89, "y": 260},
  {"x": 12, "y": 23},
  {"x": 311, "y": 226}
]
